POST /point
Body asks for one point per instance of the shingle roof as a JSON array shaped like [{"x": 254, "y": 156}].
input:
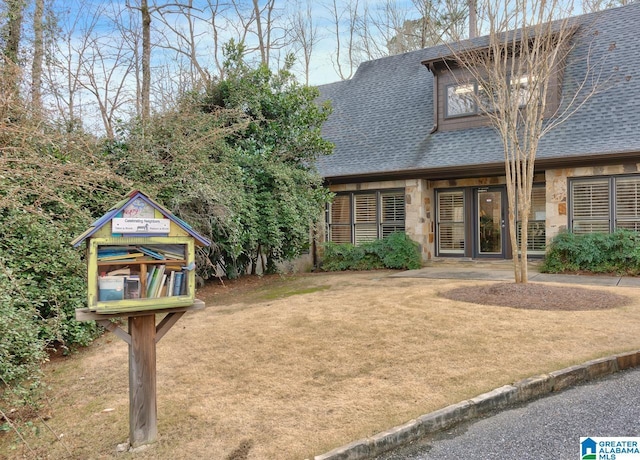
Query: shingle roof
[{"x": 383, "y": 116}]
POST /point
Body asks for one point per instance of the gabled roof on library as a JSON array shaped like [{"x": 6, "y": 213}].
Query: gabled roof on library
[{"x": 120, "y": 206}]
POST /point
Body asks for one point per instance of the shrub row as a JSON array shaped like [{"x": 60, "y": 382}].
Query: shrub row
[
  {"x": 617, "y": 252},
  {"x": 397, "y": 251}
]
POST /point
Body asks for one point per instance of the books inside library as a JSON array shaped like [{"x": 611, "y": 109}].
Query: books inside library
[{"x": 141, "y": 272}]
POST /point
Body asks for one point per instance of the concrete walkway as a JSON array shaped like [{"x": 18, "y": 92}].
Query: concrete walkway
[{"x": 503, "y": 271}]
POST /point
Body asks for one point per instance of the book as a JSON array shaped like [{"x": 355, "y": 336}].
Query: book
[
  {"x": 172, "y": 280},
  {"x": 177, "y": 287},
  {"x": 154, "y": 287},
  {"x": 110, "y": 288},
  {"x": 150, "y": 274},
  {"x": 132, "y": 287},
  {"x": 151, "y": 253},
  {"x": 108, "y": 253},
  {"x": 120, "y": 271},
  {"x": 162, "y": 292},
  {"x": 169, "y": 251}
]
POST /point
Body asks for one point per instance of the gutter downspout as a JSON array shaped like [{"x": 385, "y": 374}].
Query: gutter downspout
[{"x": 435, "y": 99}]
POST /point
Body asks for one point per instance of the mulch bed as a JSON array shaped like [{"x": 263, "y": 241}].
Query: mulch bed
[{"x": 535, "y": 296}]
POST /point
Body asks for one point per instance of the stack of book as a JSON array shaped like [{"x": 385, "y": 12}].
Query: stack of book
[{"x": 132, "y": 253}]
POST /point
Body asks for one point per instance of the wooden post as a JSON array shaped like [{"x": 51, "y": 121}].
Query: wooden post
[
  {"x": 142, "y": 338},
  {"x": 143, "y": 414}
]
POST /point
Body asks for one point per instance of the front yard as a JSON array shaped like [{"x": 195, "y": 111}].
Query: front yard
[{"x": 288, "y": 368}]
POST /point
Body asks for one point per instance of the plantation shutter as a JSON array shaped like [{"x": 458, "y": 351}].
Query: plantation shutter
[
  {"x": 365, "y": 217},
  {"x": 340, "y": 219},
  {"x": 451, "y": 222},
  {"x": 393, "y": 212},
  {"x": 628, "y": 203},
  {"x": 536, "y": 232},
  {"x": 590, "y": 206}
]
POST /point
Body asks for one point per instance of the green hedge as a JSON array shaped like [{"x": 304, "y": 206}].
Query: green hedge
[
  {"x": 617, "y": 252},
  {"x": 397, "y": 251}
]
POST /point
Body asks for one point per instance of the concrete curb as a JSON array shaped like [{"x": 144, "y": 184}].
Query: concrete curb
[{"x": 500, "y": 398}]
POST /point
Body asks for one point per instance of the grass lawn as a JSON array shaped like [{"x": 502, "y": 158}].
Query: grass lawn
[{"x": 288, "y": 368}]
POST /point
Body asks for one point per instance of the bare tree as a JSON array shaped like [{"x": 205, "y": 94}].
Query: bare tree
[
  {"x": 184, "y": 38},
  {"x": 345, "y": 16},
  {"x": 526, "y": 50},
  {"x": 106, "y": 69},
  {"x": 305, "y": 34},
  {"x": 63, "y": 63},
  {"x": 592, "y": 6}
]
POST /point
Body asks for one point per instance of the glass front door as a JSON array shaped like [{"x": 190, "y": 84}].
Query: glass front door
[{"x": 490, "y": 222}]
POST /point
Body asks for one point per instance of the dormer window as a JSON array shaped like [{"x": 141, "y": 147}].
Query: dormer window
[
  {"x": 461, "y": 100},
  {"x": 466, "y": 99}
]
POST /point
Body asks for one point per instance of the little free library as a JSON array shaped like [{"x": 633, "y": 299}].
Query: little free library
[{"x": 140, "y": 262}]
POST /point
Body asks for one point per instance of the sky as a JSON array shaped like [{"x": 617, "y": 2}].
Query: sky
[{"x": 93, "y": 62}]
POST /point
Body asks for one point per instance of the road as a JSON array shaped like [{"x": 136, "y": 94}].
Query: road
[{"x": 547, "y": 428}]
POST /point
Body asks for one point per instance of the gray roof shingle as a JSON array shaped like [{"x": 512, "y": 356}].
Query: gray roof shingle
[{"x": 383, "y": 116}]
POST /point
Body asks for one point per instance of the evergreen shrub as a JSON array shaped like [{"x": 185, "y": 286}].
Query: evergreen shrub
[
  {"x": 617, "y": 252},
  {"x": 397, "y": 251}
]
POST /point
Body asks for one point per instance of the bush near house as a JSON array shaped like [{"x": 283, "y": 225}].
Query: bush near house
[
  {"x": 397, "y": 251},
  {"x": 617, "y": 252}
]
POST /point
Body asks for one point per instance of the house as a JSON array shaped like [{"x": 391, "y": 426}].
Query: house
[
  {"x": 588, "y": 448},
  {"x": 409, "y": 157}
]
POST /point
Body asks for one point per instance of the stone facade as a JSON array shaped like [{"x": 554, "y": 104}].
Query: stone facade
[{"x": 420, "y": 198}]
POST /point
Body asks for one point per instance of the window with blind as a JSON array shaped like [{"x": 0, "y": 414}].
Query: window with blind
[
  {"x": 536, "y": 233},
  {"x": 365, "y": 217},
  {"x": 628, "y": 203},
  {"x": 358, "y": 217},
  {"x": 340, "y": 218},
  {"x": 450, "y": 222},
  {"x": 590, "y": 206},
  {"x": 604, "y": 204},
  {"x": 392, "y": 213}
]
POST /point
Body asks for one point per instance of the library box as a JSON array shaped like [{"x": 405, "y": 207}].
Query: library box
[{"x": 140, "y": 257}]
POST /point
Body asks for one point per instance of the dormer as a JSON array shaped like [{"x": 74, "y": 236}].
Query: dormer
[{"x": 460, "y": 100}]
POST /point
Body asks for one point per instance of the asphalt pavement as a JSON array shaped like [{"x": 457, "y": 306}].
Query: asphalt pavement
[{"x": 547, "y": 428}]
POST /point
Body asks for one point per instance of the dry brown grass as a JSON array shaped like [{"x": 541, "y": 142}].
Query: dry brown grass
[{"x": 260, "y": 377}]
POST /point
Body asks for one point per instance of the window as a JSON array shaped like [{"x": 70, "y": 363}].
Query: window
[
  {"x": 461, "y": 100},
  {"x": 450, "y": 222},
  {"x": 365, "y": 217},
  {"x": 392, "y": 210},
  {"x": 340, "y": 218},
  {"x": 590, "y": 206},
  {"x": 628, "y": 203},
  {"x": 521, "y": 88},
  {"x": 358, "y": 217},
  {"x": 604, "y": 204},
  {"x": 536, "y": 231}
]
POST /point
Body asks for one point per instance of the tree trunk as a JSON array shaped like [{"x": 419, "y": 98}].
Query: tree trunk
[
  {"x": 473, "y": 19},
  {"x": 38, "y": 53},
  {"x": 263, "y": 53},
  {"x": 10, "y": 84},
  {"x": 146, "y": 60}
]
